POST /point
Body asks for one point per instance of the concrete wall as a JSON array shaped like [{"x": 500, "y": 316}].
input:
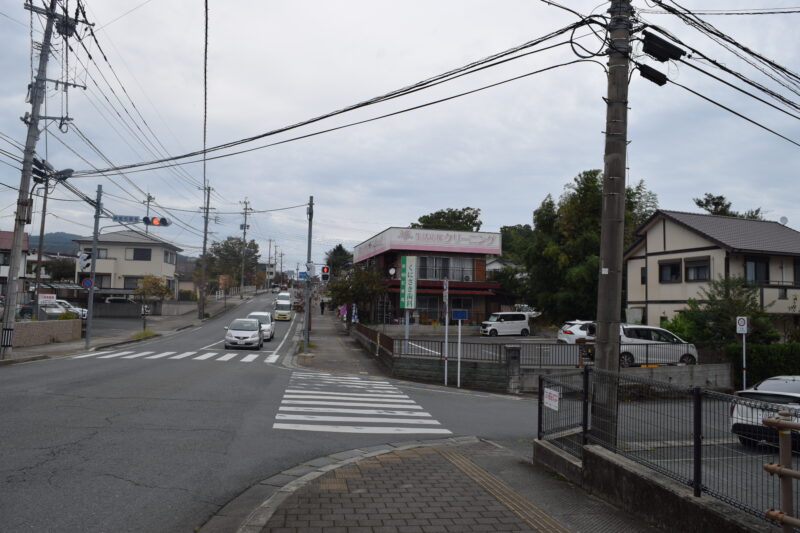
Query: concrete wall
[
  {"x": 35, "y": 332},
  {"x": 717, "y": 376},
  {"x": 177, "y": 308}
]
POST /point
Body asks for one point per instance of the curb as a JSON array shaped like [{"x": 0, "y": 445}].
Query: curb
[{"x": 267, "y": 495}]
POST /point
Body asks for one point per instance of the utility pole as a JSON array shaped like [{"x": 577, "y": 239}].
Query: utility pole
[
  {"x": 281, "y": 267},
  {"x": 98, "y": 206},
  {"x": 270, "y": 265},
  {"x": 23, "y": 213},
  {"x": 309, "y": 268},
  {"x": 609, "y": 291},
  {"x": 201, "y": 303},
  {"x": 149, "y": 199},
  {"x": 41, "y": 245},
  {"x": 244, "y": 247}
]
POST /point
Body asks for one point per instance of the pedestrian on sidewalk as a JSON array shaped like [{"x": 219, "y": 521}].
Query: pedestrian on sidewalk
[{"x": 322, "y": 307}]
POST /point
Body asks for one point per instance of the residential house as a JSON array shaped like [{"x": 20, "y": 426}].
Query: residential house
[
  {"x": 676, "y": 254},
  {"x": 458, "y": 256},
  {"x": 125, "y": 257},
  {"x": 6, "y": 239}
]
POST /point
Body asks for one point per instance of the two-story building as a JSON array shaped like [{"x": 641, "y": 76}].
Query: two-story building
[
  {"x": 125, "y": 257},
  {"x": 6, "y": 239},
  {"x": 676, "y": 254},
  {"x": 458, "y": 256}
]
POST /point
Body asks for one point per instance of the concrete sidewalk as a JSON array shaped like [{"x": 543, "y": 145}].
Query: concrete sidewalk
[
  {"x": 458, "y": 484},
  {"x": 160, "y": 325}
]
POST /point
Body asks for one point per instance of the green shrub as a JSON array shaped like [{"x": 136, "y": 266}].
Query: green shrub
[
  {"x": 144, "y": 334},
  {"x": 764, "y": 361}
]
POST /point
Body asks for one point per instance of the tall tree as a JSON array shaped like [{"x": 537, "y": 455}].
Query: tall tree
[
  {"x": 339, "y": 259},
  {"x": 465, "y": 219},
  {"x": 225, "y": 258},
  {"x": 719, "y": 205},
  {"x": 355, "y": 286}
]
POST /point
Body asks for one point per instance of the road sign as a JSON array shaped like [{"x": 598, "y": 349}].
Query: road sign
[
  {"x": 302, "y": 275},
  {"x": 45, "y": 298},
  {"x": 741, "y": 325},
  {"x": 126, "y": 219},
  {"x": 84, "y": 260},
  {"x": 86, "y": 283},
  {"x": 408, "y": 282},
  {"x": 460, "y": 314}
]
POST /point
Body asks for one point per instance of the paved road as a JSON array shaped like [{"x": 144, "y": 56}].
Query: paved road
[{"x": 157, "y": 436}]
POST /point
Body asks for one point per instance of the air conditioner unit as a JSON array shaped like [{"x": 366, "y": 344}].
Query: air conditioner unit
[{"x": 466, "y": 278}]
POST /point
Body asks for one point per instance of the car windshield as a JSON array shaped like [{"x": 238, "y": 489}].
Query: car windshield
[
  {"x": 244, "y": 325},
  {"x": 494, "y": 318},
  {"x": 283, "y": 306},
  {"x": 263, "y": 319},
  {"x": 779, "y": 385}
]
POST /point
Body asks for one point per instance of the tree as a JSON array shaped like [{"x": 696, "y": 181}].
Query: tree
[
  {"x": 465, "y": 219},
  {"x": 338, "y": 258},
  {"x": 710, "y": 321},
  {"x": 719, "y": 205},
  {"x": 355, "y": 286},
  {"x": 152, "y": 287},
  {"x": 60, "y": 268},
  {"x": 225, "y": 258},
  {"x": 517, "y": 241}
]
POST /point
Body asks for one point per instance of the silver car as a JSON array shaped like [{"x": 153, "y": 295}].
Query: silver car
[
  {"x": 644, "y": 345},
  {"x": 244, "y": 333},
  {"x": 762, "y": 400},
  {"x": 265, "y": 319}
]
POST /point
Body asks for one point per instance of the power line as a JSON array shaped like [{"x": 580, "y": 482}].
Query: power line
[{"x": 747, "y": 11}]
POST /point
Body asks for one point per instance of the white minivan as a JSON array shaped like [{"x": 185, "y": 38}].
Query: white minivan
[{"x": 506, "y": 323}]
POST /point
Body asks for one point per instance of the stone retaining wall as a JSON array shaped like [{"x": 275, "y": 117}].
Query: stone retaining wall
[{"x": 37, "y": 332}]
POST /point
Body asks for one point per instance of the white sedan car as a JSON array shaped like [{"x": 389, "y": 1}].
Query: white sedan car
[
  {"x": 762, "y": 400},
  {"x": 267, "y": 326}
]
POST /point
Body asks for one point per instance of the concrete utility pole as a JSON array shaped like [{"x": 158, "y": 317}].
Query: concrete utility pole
[
  {"x": 41, "y": 245},
  {"x": 612, "y": 226},
  {"x": 201, "y": 303},
  {"x": 147, "y": 202},
  {"x": 244, "y": 247},
  {"x": 98, "y": 206},
  {"x": 307, "y": 306},
  {"x": 271, "y": 269},
  {"x": 23, "y": 213}
]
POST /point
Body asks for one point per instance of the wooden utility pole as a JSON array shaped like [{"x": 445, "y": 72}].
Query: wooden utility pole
[
  {"x": 244, "y": 247},
  {"x": 609, "y": 291}
]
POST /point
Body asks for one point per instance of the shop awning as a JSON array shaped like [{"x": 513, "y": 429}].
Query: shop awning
[
  {"x": 70, "y": 286},
  {"x": 459, "y": 292}
]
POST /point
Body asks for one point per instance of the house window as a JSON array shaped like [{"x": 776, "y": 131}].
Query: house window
[
  {"x": 169, "y": 257},
  {"x": 428, "y": 308},
  {"x": 783, "y": 293},
  {"x": 669, "y": 271},
  {"x": 102, "y": 281},
  {"x": 756, "y": 270},
  {"x": 698, "y": 269},
  {"x": 5, "y": 258},
  {"x": 102, "y": 253},
  {"x": 132, "y": 282},
  {"x": 796, "y": 272},
  {"x": 643, "y": 274},
  {"x": 138, "y": 254}
]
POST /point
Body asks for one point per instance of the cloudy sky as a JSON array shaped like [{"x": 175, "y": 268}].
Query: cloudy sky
[{"x": 275, "y": 63}]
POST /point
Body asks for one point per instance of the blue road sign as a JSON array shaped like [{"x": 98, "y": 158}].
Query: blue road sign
[
  {"x": 460, "y": 314},
  {"x": 86, "y": 283}
]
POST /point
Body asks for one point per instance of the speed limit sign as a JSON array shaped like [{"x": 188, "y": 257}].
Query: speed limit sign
[{"x": 741, "y": 324}]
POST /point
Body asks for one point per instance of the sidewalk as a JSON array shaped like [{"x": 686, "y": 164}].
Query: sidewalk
[
  {"x": 458, "y": 484},
  {"x": 161, "y": 325}
]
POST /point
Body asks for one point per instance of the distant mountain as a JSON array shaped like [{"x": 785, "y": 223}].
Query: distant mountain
[{"x": 57, "y": 242}]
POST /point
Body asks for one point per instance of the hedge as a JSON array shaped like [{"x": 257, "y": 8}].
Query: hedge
[{"x": 764, "y": 361}]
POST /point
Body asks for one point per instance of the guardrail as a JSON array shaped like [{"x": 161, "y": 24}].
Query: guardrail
[{"x": 531, "y": 354}]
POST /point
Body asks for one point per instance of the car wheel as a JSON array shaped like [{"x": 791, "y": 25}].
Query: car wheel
[
  {"x": 525, "y": 333},
  {"x": 688, "y": 359},
  {"x": 626, "y": 360},
  {"x": 227, "y": 347},
  {"x": 493, "y": 333}
]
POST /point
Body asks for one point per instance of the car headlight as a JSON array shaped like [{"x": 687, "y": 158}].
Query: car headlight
[
  {"x": 229, "y": 335},
  {"x": 254, "y": 335}
]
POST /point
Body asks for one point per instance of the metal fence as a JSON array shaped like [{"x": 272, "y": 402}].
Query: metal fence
[
  {"x": 712, "y": 442},
  {"x": 531, "y": 354}
]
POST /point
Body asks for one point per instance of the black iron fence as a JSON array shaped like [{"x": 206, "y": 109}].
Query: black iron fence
[
  {"x": 531, "y": 354},
  {"x": 710, "y": 441}
]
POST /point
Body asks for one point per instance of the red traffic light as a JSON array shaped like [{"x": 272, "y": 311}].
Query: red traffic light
[
  {"x": 155, "y": 221},
  {"x": 326, "y": 269}
]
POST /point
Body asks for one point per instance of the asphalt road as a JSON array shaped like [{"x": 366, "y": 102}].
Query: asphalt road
[{"x": 158, "y": 436}]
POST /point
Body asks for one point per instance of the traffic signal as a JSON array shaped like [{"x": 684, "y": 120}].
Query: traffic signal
[
  {"x": 325, "y": 273},
  {"x": 156, "y": 221}
]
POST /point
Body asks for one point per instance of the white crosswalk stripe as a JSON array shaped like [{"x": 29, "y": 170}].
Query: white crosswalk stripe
[
  {"x": 207, "y": 355},
  {"x": 183, "y": 355},
  {"x": 342, "y": 404},
  {"x": 273, "y": 358},
  {"x": 135, "y": 355},
  {"x": 160, "y": 355},
  {"x": 200, "y": 355},
  {"x": 113, "y": 355},
  {"x": 227, "y": 357},
  {"x": 250, "y": 358}
]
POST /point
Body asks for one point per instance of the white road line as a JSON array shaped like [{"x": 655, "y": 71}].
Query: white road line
[
  {"x": 320, "y": 418},
  {"x": 342, "y": 404},
  {"x": 390, "y": 395},
  {"x": 134, "y": 356},
  {"x": 212, "y": 344},
  {"x": 360, "y": 429},
  {"x": 423, "y": 348},
  {"x": 272, "y": 358},
  {"x": 227, "y": 357},
  {"x": 347, "y": 398},
  {"x": 393, "y": 412},
  {"x": 286, "y": 335},
  {"x": 345, "y": 383},
  {"x": 114, "y": 355},
  {"x": 205, "y": 356},
  {"x": 250, "y": 358},
  {"x": 334, "y": 378},
  {"x": 90, "y": 354},
  {"x": 159, "y": 355},
  {"x": 182, "y": 355}
]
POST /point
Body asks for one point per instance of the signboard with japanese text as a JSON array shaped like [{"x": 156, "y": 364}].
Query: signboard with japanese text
[
  {"x": 408, "y": 282},
  {"x": 46, "y": 298},
  {"x": 741, "y": 325},
  {"x": 429, "y": 240},
  {"x": 551, "y": 397}
]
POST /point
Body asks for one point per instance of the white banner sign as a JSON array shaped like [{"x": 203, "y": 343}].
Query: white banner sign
[
  {"x": 47, "y": 298},
  {"x": 408, "y": 282},
  {"x": 551, "y": 397}
]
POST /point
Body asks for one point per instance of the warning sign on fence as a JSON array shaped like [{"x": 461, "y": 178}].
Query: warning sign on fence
[{"x": 551, "y": 399}]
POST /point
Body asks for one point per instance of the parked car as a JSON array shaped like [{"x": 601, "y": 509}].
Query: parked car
[
  {"x": 575, "y": 330},
  {"x": 651, "y": 345},
  {"x": 283, "y": 310},
  {"x": 506, "y": 323},
  {"x": 762, "y": 400},
  {"x": 265, "y": 319},
  {"x": 244, "y": 333},
  {"x": 56, "y": 309},
  {"x": 80, "y": 312},
  {"x": 284, "y": 295}
]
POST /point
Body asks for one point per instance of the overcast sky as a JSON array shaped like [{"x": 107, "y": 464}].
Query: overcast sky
[{"x": 279, "y": 62}]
